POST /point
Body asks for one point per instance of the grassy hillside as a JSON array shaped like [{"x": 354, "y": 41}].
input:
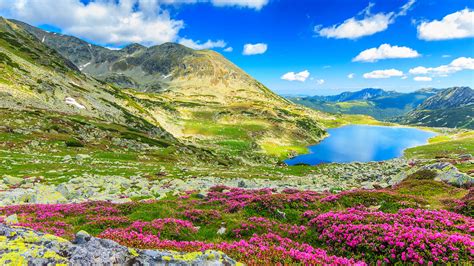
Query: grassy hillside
[{"x": 205, "y": 101}]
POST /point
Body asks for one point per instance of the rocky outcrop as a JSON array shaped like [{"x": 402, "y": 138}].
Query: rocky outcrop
[
  {"x": 21, "y": 246},
  {"x": 448, "y": 173},
  {"x": 117, "y": 189}
]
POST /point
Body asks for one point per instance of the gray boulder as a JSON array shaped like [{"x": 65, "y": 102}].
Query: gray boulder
[
  {"x": 43, "y": 249},
  {"x": 448, "y": 173}
]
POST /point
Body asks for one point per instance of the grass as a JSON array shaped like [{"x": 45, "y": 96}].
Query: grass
[
  {"x": 422, "y": 184},
  {"x": 348, "y": 105},
  {"x": 283, "y": 151},
  {"x": 442, "y": 148}
]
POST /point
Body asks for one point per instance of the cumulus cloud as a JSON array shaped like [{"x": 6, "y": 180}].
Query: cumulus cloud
[
  {"x": 228, "y": 49},
  {"x": 351, "y": 76},
  {"x": 383, "y": 74},
  {"x": 320, "y": 81},
  {"x": 453, "y": 26},
  {"x": 385, "y": 51},
  {"x": 422, "y": 79},
  {"x": 458, "y": 64},
  {"x": 300, "y": 76},
  {"x": 201, "y": 46},
  {"x": 369, "y": 24},
  {"x": 112, "y": 22},
  {"x": 105, "y": 22},
  {"x": 253, "y": 49}
]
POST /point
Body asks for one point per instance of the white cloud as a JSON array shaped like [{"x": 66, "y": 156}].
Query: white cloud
[
  {"x": 446, "y": 56},
  {"x": 111, "y": 22},
  {"x": 253, "y": 49},
  {"x": 453, "y": 26},
  {"x": 105, "y": 22},
  {"x": 458, "y": 64},
  {"x": 385, "y": 51},
  {"x": 354, "y": 28},
  {"x": 320, "y": 81},
  {"x": 383, "y": 74},
  {"x": 228, "y": 49},
  {"x": 300, "y": 76},
  {"x": 351, "y": 76},
  {"x": 201, "y": 46},
  {"x": 255, "y": 4},
  {"x": 422, "y": 79}
]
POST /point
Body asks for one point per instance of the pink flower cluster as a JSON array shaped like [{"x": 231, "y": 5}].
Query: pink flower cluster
[
  {"x": 263, "y": 225},
  {"x": 170, "y": 227},
  {"x": 53, "y": 227},
  {"x": 46, "y": 211},
  {"x": 264, "y": 199},
  {"x": 410, "y": 235},
  {"x": 202, "y": 216},
  {"x": 258, "y": 250},
  {"x": 108, "y": 221}
]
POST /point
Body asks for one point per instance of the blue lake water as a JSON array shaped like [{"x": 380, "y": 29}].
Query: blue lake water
[{"x": 359, "y": 143}]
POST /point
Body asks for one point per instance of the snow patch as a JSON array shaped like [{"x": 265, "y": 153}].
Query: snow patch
[
  {"x": 73, "y": 102},
  {"x": 84, "y": 66}
]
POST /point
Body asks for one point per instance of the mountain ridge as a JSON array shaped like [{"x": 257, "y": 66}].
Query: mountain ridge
[
  {"x": 379, "y": 103},
  {"x": 453, "y": 107},
  {"x": 200, "y": 97}
]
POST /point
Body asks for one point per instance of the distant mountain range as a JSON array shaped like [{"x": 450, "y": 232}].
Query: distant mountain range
[
  {"x": 378, "y": 103},
  {"x": 453, "y": 107},
  {"x": 432, "y": 107}
]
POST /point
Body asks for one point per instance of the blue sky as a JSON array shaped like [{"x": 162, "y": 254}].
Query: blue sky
[{"x": 428, "y": 43}]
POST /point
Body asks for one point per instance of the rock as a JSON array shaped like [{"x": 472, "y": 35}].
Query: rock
[
  {"x": 81, "y": 157},
  {"x": 122, "y": 200},
  {"x": 12, "y": 181},
  {"x": 448, "y": 173},
  {"x": 12, "y": 219},
  {"x": 281, "y": 214},
  {"x": 67, "y": 158},
  {"x": 45, "y": 249},
  {"x": 466, "y": 157},
  {"x": 47, "y": 194},
  {"x": 221, "y": 230},
  {"x": 241, "y": 184},
  {"x": 82, "y": 237}
]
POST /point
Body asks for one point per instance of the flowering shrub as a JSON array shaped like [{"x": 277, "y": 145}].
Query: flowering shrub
[
  {"x": 261, "y": 199},
  {"x": 259, "y": 250},
  {"x": 264, "y": 227},
  {"x": 108, "y": 221},
  {"x": 168, "y": 227},
  {"x": 53, "y": 227},
  {"x": 411, "y": 235},
  {"x": 261, "y": 225},
  {"x": 202, "y": 216}
]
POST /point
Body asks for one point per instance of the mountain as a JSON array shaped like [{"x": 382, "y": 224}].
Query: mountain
[
  {"x": 192, "y": 97},
  {"x": 378, "y": 103},
  {"x": 453, "y": 107},
  {"x": 36, "y": 76},
  {"x": 365, "y": 94}
]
